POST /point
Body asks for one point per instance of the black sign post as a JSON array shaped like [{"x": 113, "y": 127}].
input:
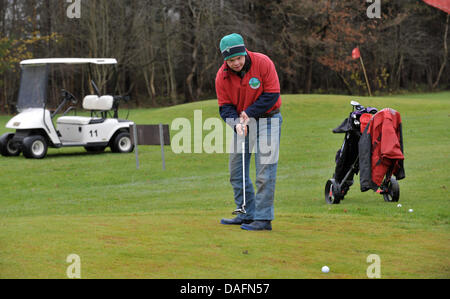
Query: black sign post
[{"x": 150, "y": 135}]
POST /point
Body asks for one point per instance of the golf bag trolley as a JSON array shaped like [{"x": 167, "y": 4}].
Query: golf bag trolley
[{"x": 348, "y": 160}]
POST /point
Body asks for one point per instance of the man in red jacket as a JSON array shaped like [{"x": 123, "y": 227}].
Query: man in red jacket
[{"x": 248, "y": 91}]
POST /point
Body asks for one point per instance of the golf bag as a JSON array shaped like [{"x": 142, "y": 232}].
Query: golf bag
[{"x": 360, "y": 152}]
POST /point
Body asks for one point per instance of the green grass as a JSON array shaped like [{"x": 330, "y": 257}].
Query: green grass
[{"x": 150, "y": 223}]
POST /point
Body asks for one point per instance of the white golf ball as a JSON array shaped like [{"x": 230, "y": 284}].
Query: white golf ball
[
  {"x": 325, "y": 269},
  {"x": 411, "y": 210},
  {"x": 399, "y": 205}
]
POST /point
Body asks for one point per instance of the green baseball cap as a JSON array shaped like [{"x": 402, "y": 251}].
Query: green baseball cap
[{"x": 232, "y": 45}]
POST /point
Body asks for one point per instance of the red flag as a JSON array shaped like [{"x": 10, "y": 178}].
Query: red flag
[
  {"x": 355, "y": 53},
  {"x": 443, "y": 5}
]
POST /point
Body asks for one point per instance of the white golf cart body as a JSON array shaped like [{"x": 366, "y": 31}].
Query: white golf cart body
[
  {"x": 94, "y": 130},
  {"x": 34, "y": 127},
  {"x": 32, "y": 119}
]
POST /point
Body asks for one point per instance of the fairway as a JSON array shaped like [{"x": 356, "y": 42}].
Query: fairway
[{"x": 149, "y": 223}]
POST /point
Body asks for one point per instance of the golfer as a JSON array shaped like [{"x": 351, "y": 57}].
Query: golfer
[{"x": 248, "y": 92}]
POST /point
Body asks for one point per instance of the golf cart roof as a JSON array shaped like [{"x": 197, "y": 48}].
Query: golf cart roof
[
  {"x": 34, "y": 78},
  {"x": 69, "y": 61}
]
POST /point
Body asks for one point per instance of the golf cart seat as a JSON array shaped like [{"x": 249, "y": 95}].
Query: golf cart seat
[
  {"x": 91, "y": 103},
  {"x": 95, "y": 103}
]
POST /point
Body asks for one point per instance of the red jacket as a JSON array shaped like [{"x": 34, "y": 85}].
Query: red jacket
[
  {"x": 262, "y": 77},
  {"x": 384, "y": 133}
]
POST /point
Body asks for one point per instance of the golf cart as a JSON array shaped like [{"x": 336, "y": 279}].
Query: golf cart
[{"x": 35, "y": 131}]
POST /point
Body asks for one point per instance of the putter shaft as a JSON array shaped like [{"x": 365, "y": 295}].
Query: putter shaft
[
  {"x": 243, "y": 174},
  {"x": 242, "y": 209}
]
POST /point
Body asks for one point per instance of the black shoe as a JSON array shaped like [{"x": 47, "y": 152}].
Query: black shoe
[
  {"x": 235, "y": 221},
  {"x": 258, "y": 225}
]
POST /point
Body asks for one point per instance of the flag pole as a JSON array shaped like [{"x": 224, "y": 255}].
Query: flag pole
[{"x": 365, "y": 75}]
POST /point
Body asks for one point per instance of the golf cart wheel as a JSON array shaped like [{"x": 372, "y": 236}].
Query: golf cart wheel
[
  {"x": 7, "y": 147},
  {"x": 392, "y": 193},
  {"x": 330, "y": 193},
  {"x": 122, "y": 143},
  {"x": 35, "y": 147}
]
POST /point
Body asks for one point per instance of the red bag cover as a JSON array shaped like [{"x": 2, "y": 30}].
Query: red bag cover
[
  {"x": 386, "y": 148},
  {"x": 364, "y": 120}
]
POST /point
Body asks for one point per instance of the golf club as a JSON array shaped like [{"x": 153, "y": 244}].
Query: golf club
[{"x": 242, "y": 209}]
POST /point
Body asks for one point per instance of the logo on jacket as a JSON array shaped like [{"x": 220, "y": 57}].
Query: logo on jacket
[{"x": 254, "y": 83}]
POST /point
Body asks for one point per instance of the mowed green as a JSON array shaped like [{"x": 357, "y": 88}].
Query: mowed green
[{"x": 125, "y": 222}]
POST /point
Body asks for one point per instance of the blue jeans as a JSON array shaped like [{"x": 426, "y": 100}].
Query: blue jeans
[{"x": 264, "y": 142}]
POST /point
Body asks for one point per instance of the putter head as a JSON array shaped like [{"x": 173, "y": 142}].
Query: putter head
[{"x": 239, "y": 211}]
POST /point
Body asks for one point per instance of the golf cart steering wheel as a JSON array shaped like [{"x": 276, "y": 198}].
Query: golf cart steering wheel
[
  {"x": 95, "y": 87},
  {"x": 68, "y": 96}
]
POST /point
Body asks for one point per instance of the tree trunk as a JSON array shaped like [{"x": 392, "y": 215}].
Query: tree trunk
[
  {"x": 2, "y": 18},
  {"x": 399, "y": 72},
  {"x": 309, "y": 75},
  {"x": 190, "y": 78},
  {"x": 445, "y": 55},
  {"x": 347, "y": 85},
  {"x": 171, "y": 76}
]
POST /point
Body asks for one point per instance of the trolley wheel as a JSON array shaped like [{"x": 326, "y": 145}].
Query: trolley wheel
[
  {"x": 331, "y": 192},
  {"x": 392, "y": 193}
]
